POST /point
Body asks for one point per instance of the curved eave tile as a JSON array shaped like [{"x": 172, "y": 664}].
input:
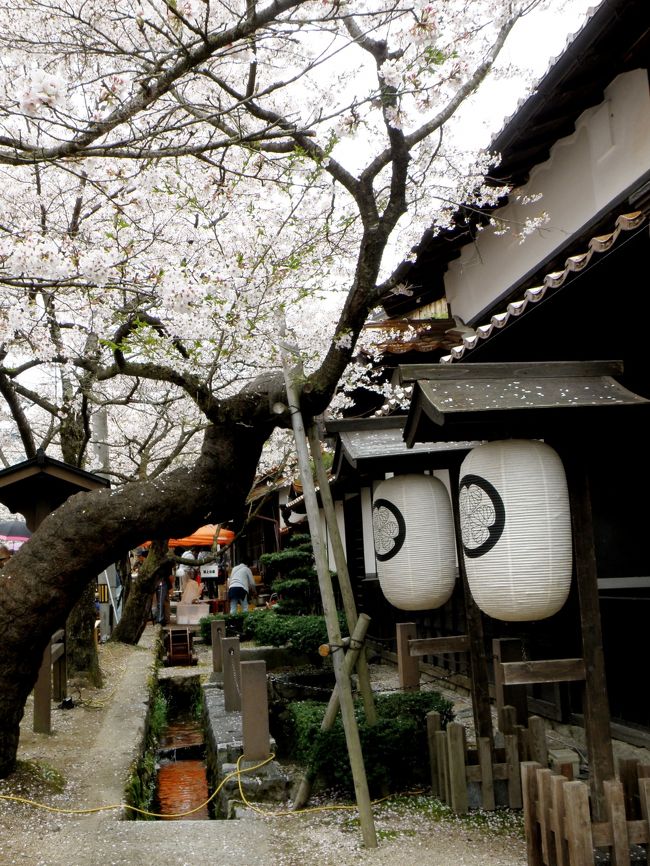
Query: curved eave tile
[{"x": 574, "y": 264}]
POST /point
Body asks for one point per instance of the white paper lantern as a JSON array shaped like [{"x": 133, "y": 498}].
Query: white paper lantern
[
  {"x": 413, "y": 528},
  {"x": 516, "y": 529}
]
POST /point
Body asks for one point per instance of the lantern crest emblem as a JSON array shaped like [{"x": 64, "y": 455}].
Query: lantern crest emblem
[
  {"x": 415, "y": 547},
  {"x": 389, "y": 529},
  {"x": 482, "y": 515}
]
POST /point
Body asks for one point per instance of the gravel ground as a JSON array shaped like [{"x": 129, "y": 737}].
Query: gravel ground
[
  {"x": 78, "y": 766},
  {"x": 84, "y": 763}
]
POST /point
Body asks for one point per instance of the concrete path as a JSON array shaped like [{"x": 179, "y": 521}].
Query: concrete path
[{"x": 104, "y": 839}]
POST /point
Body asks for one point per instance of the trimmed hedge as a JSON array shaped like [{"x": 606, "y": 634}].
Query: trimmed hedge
[
  {"x": 304, "y": 633},
  {"x": 395, "y": 750}
]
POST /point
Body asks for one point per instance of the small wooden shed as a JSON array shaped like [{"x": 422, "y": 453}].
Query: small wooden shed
[{"x": 35, "y": 488}]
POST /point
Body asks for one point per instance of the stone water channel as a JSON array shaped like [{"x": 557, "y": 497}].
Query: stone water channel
[
  {"x": 182, "y": 779},
  {"x": 199, "y": 745}
]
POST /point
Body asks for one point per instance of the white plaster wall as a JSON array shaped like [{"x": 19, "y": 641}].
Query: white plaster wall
[{"x": 608, "y": 151}]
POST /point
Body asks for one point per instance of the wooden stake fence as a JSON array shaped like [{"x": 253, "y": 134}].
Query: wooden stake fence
[
  {"x": 560, "y": 829},
  {"x": 457, "y": 767}
]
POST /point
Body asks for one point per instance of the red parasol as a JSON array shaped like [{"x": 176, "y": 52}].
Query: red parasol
[{"x": 202, "y": 537}]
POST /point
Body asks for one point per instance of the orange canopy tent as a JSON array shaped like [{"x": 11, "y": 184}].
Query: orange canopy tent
[{"x": 202, "y": 537}]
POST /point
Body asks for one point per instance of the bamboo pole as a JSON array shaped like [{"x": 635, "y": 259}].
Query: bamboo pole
[
  {"x": 329, "y": 608},
  {"x": 351, "y": 658},
  {"x": 349, "y": 605}
]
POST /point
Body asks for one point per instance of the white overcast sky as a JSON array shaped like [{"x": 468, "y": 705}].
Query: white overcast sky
[{"x": 536, "y": 40}]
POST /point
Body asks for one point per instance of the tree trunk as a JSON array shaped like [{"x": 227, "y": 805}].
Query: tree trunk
[
  {"x": 137, "y": 610},
  {"x": 47, "y": 576},
  {"x": 81, "y": 647}
]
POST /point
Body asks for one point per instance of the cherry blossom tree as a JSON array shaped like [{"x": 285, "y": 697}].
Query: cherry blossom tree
[{"x": 178, "y": 177}]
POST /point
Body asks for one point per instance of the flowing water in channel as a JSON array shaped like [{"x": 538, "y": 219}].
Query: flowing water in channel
[{"x": 182, "y": 779}]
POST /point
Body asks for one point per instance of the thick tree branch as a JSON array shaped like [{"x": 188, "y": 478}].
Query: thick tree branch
[{"x": 15, "y": 151}]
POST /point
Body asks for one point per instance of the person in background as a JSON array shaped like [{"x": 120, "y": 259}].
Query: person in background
[
  {"x": 186, "y": 572},
  {"x": 161, "y": 607},
  {"x": 241, "y": 584},
  {"x": 5, "y": 555}
]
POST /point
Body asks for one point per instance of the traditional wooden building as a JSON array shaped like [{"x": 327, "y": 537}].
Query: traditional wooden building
[{"x": 574, "y": 292}]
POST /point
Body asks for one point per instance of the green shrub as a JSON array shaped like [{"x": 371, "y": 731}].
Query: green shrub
[
  {"x": 394, "y": 749},
  {"x": 237, "y": 625},
  {"x": 291, "y": 575},
  {"x": 302, "y": 633},
  {"x": 287, "y": 560},
  {"x": 269, "y": 628}
]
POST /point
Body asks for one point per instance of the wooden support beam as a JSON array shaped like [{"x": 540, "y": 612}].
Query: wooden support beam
[
  {"x": 438, "y": 645},
  {"x": 596, "y": 706},
  {"x": 408, "y": 670},
  {"x": 551, "y": 671},
  {"x": 474, "y": 625},
  {"x": 509, "y": 650}
]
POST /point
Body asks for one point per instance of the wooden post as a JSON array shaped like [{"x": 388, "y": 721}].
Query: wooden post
[
  {"x": 615, "y": 810},
  {"x": 231, "y": 674},
  {"x": 474, "y": 630},
  {"x": 628, "y": 773},
  {"x": 443, "y": 766},
  {"x": 408, "y": 667},
  {"x": 43, "y": 694},
  {"x": 529, "y": 796},
  {"x": 596, "y": 706},
  {"x": 254, "y": 711},
  {"x": 349, "y": 604},
  {"x": 329, "y": 605},
  {"x": 509, "y": 650},
  {"x": 544, "y": 805},
  {"x": 59, "y": 666},
  {"x": 484, "y": 748},
  {"x": 507, "y": 720},
  {"x": 537, "y": 741},
  {"x": 514, "y": 772},
  {"x": 578, "y": 824},
  {"x": 644, "y": 798},
  {"x": 217, "y": 633},
  {"x": 557, "y": 820},
  {"x": 457, "y": 755},
  {"x": 433, "y": 725}
]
